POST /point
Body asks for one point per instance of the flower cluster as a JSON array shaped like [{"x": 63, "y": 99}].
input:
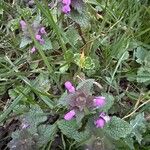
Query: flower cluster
[
  {"x": 79, "y": 100},
  {"x": 66, "y": 6},
  {"x": 38, "y": 36}
]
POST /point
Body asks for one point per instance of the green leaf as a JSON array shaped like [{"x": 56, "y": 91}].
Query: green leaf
[
  {"x": 143, "y": 75},
  {"x": 138, "y": 126},
  {"x": 68, "y": 55},
  {"x": 25, "y": 41},
  {"x": 43, "y": 82},
  {"x": 89, "y": 63},
  {"x": 109, "y": 101},
  {"x": 118, "y": 128},
  {"x": 86, "y": 86},
  {"x": 21, "y": 140},
  {"x": 34, "y": 117},
  {"x": 72, "y": 35},
  {"x": 140, "y": 54},
  {"x": 80, "y": 18},
  {"x": 46, "y": 134},
  {"x": 47, "y": 45},
  {"x": 70, "y": 129}
]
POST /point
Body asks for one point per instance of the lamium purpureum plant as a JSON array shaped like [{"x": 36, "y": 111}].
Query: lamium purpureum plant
[
  {"x": 39, "y": 32},
  {"x": 81, "y": 101}
]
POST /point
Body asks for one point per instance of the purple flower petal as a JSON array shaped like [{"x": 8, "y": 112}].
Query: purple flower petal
[
  {"x": 42, "y": 30},
  {"x": 23, "y": 24},
  {"x": 42, "y": 42},
  {"x": 38, "y": 37},
  {"x": 66, "y": 2},
  {"x": 71, "y": 89},
  {"x": 105, "y": 117},
  {"x": 68, "y": 84},
  {"x": 69, "y": 115},
  {"x": 100, "y": 123},
  {"x": 33, "y": 49},
  {"x": 66, "y": 9},
  {"x": 99, "y": 101}
]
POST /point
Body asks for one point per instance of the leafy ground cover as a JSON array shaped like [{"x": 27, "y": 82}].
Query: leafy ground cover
[{"x": 74, "y": 74}]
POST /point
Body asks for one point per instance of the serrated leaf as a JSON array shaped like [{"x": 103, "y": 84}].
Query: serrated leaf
[
  {"x": 86, "y": 86},
  {"x": 68, "y": 55},
  {"x": 47, "y": 45},
  {"x": 89, "y": 63},
  {"x": 78, "y": 5},
  {"x": 118, "y": 128},
  {"x": 33, "y": 118},
  {"x": 140, "y": 54},
  {"x": 72, "y": 35},
  {"x": 43, "y": 82},
  {"x": 46, "y": 134},
  {"x": 143, "y": 75},
  {"x": 62, "y": 100},
  {"x": 69, "y": 128},
  {"x": 82, "y": 19},
  {"x": 138, "y": 126},
  {"x": 22, "y": 140},
  {"x": 25, "y": 41}
]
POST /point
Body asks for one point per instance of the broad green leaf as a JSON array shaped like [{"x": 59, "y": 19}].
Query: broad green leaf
[
  {"x": 143, "y": 75},
  {"x": 43, "y": 82},
  {"x": 89, "y": 63},
  {"x": 82, "y": 19},
  {"x": 22, "y": 140},
  {"x": 72, "y": 35},
  {"x": 86, "y": 86},
  {"x": 140, "y": 54},
  {"x": 34, "y": 117},
  {"x": 138, "y": 126},
  {"x": 25, "y": 41},
  {"x": 118, "y": 128},
  {"x": 68, "y": 55},
  {"x": 47, "y": 45},
  {"x": 109, "y": 101},
  {"x": 70, "y": 129},
  {"x": 46, "y": 133}
]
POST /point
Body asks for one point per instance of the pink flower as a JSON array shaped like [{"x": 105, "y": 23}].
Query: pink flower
[
  {"x": 23, "y": 24},
  {"x": 66, "y": 9},
  {"x": 99, "y": 101},
  {"x": 100, "y": 123},
  {"x": 66, "y": 2},
  {"x": 42, "y": 41},
  {"x": 105, "y": 117},
  {"x": 38, "y": 37},
  {"x": 42, "y": 30},
  {"x": 69, "y": 87},
  {"x": 33, "y": 49},
  {"x": 69, "y": 115}
]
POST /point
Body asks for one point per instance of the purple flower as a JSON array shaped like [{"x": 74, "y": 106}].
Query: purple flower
[
  {"x": 69, "y": 115},
  {"x": 23, "y": 24},
  {"x": 33, "y": 49},
  {"x": 42, "y": 30},
  {"x": 38, "y": 37},
  {"x": 99, "y": 101},
  {"x": 66, "y": 9},
  {"x": 99, "y": 123},
  {"x": 102, "y": 120},
  {"x": 42, "y": 41},
  {"x": 105, "y": 117},
  {"x": 66, "y": 2},
  {"x": 69, "y": 87}
]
